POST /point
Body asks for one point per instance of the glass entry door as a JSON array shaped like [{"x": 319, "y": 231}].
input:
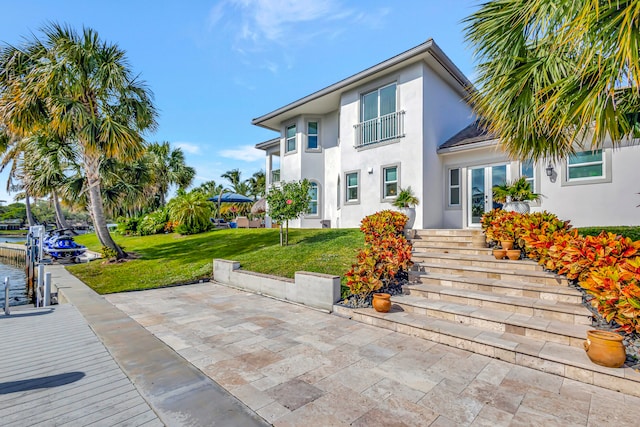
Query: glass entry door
[{"x": 480, "y": 197}]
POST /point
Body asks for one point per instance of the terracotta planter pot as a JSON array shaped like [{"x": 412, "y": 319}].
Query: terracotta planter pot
[
  {"x": 506, "y": 244},
  {"x": 381, "y": 302},
  {"x": 513, "y": 254},
  {"x": 499, "y": 253},
  {"x": 605, "y": 348}
]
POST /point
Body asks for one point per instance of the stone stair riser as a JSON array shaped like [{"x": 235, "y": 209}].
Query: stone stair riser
[
  {"x": 434, "y": 243},
  {"x": 449, "y": 232},
  {"x": 541, "y": 312},
  {"x": 512, "y": 292},
  {"x": 450, "y": 250},
  {"x": 512, "y": 265},
  {"x": 491, "y": 349},
  {"x": 499, "y": 275}
]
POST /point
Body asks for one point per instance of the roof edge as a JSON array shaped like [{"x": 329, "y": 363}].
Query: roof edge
[
  {"x": 269, "y": 143},
  {"x": 428, "y": 46}
]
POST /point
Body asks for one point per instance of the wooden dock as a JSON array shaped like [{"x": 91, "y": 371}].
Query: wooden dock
[{"x": 55, "y": 371}]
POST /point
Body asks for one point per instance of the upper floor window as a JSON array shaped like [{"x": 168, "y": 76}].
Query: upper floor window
[
  {"x": 313, "y": 194},
  {"x": 351, "y": 180},
  {"x": 290, "y": 139},
  {"x": 390, "y": 182},
  {"x": 379, "y": 118},
  {"x": 379, "y": 103},
  {"x": 527, "y": 170},
  {"x": 312, "y": 135},
  {"x": 585, "y": 165},
  {"x": 454, "y": 187}
]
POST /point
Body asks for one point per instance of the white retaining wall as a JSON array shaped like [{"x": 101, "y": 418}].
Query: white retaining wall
[{"x": 313, "y": 289}]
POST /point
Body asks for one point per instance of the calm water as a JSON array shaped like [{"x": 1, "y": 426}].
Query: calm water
[{"x": 17, "y": 278}]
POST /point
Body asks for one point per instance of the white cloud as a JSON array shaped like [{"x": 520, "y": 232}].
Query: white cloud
[
  {"x": 246, "y": 153},
  {"x": 188, "y": 147}
]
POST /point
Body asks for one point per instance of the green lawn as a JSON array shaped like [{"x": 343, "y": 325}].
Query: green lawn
[{"x": 167, "y": 259}]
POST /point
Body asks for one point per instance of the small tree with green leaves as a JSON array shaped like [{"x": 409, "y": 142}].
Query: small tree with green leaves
[{"x": 287, "y": 202}]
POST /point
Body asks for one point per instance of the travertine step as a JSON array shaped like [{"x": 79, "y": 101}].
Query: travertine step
[
  {"x": 503, "y": 287},
  {"x": 464, "y": 232},
  {"x": 468, "y": 250},
  {"x": 461, "y": 239},
  {"x": 559, "y": 359},
  {"x": 456, "y": 304},
  {"x": 538, "y": 277},
  {"x": 488, "y": 261},
  {"x": 459, "y": 243}
]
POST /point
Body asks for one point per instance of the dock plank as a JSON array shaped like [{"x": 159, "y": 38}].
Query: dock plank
[{"x": 54, "y": 370}]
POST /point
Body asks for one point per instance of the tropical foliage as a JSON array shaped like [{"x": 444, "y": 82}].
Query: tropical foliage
[
  {"x": 386, "y": 253},
  {"x": 555, "y": 72},
  {"x": 607, "y": 266},
  {"x": 191, "y": 213},
  {"x": 288, "y": 201},
  {"x": 518, "y": 190},
  {"x": 406, "y": 198},
  {"x": 81, "y": 89}
]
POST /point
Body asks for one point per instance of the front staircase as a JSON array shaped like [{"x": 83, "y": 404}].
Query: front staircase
[{"x": 461, "y": 296}]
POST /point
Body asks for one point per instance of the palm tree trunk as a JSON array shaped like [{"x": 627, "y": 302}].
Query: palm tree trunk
[
  {"x": 27, "y": 201},
  {"x": 92, "y": 172},
  {"x": 61, "y": 221}
]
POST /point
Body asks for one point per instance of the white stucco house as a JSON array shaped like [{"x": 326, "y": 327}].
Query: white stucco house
[{"x": 406, "y": 122}]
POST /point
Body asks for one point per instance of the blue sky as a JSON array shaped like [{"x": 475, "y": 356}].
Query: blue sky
[{"x": 215, "y": 65}]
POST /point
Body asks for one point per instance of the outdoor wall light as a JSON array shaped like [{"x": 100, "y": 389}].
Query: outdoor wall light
[
  {"x": 370, "y": 170},
  {"x": 549, "y": 170}
]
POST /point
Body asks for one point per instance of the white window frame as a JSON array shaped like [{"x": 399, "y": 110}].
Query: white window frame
[
  {"x": 383, "y": 196},
  {"x": 317, "y": 200},
  {"x": 348, "y": 201},
  {"x": 606, "y": 176},
  {"x": 377, "y": 91},
  {"x": 533, "y": 181},
  {"x": 293, "y": 138},
  {"x": 451, "y": 187},
  {"x": 317, "y": 135}
]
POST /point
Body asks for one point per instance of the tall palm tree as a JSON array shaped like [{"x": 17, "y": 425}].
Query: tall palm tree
[
  {"x": 554, "y": 73},
  {"x": 169, "y": 168},
  {"x": 257, "y": 184},
  {"x": 234, "y": 176},
  {"x": 82, "y": 88},
  {"x": 209, "y": 188}
]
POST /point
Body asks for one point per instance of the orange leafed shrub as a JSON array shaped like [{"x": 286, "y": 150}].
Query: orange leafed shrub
[{"x": 386, "y": 253}]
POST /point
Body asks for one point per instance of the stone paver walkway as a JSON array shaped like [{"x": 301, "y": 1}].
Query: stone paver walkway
[{"x": 299, "y": 367}]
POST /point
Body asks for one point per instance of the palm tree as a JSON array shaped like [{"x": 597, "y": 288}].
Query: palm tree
[
  {"x": 553, "y": 73},
  {"x": 234, "y": 176},
  {"x": 83, "y": 89},
  {"x": 257, "y": 184},
  {"x": 209, "y": 188},
  {"x": 169, "y": 168}
]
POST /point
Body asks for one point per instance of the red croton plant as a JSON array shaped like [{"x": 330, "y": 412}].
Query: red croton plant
[
  {"x": 607, "y": 266},
  {"x": 386, "y": 253}
]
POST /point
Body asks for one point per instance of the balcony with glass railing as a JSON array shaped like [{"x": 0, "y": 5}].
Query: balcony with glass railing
[{"x": 380, "y": 129}]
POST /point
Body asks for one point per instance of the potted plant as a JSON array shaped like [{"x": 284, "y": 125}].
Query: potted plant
[
  {"x": 406, "y": 201},
  {"x": 515, "y": 195},
  {"x": 505, "y": 234}
]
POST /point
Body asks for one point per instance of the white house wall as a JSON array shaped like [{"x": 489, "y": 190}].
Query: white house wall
[
  {"x": 597, "y": 204},
  {"x": 368, "y": 161},
  {"x": 445, "y": 113}
]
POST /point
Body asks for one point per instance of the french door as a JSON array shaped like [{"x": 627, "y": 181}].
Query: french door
[{"x": 479, "y": 195}]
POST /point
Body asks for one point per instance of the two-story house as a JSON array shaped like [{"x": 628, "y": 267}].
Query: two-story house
[{"x": 406, "y": 122}]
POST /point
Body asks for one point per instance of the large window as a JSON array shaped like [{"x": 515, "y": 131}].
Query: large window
[
  {"x": 351, "y": 180},
  {"x": 389, "y": 182},
  {"x": 312, "y": 135},
  {"x": 527, "y": 170},
  {"x": 290, "y": 139},
  {"x": 379, "y": 119},
  {"x": 313, "y": 203},
  {"x": 585, "y": 165},
  {"x": 454, "y": 187}
]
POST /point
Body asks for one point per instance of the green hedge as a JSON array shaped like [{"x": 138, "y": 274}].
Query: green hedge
[{"x": 631, "y": 232}]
